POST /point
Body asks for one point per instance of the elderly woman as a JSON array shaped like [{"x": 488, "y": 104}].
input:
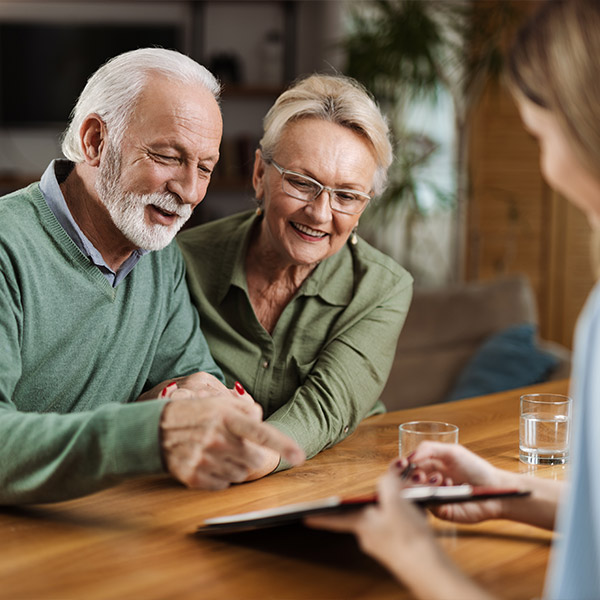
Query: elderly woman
[{"x": 294, "y": 305}]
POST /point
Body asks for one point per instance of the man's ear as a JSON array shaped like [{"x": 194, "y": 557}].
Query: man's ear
[
  {"x": 258, "y": 175},
  {"x": 92, "y": 134}
]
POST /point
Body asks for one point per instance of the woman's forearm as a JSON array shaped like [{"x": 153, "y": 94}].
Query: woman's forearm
[
  {"x": 537, "y": 509},
  {"x": 431, "y": 575}
]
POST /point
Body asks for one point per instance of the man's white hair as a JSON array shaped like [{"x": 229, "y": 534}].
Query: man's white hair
[{"x": 113, "y": 90}]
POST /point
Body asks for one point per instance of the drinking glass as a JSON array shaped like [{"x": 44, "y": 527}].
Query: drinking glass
[
  {"x": 545, "y": 429},
  {"x": 413, "y": 433}
]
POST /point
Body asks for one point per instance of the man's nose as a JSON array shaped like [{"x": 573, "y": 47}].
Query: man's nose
[{"x": 188, "y": 185}]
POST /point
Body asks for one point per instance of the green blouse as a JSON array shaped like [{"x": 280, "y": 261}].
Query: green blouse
[{"x": 325, "y": 364}]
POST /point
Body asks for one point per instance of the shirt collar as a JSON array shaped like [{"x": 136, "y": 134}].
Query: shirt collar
[
  {"x": 56, "y": 172},
  {"x": 234, "y": 273},
  {"x": 328, "y": 281}
]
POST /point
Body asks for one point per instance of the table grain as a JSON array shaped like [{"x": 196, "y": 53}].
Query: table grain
[{"x": 137, "y": 540}]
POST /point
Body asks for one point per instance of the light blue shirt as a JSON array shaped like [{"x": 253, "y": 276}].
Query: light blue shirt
[
  {"x": 53, "y": 176},
  {"x": 574, "y": 571}
]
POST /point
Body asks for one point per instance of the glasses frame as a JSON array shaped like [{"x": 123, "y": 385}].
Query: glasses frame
[{"x": 331, "y": 191}]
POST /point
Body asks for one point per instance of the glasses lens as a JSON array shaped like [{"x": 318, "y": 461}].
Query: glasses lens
[
  {"x": 304, "y": 188},
  {"x": 347, "y": 202},
  {"x": 299, "y": 187}
]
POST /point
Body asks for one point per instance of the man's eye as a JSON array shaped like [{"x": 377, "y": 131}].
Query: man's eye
[{"x": 164, "y": 158}]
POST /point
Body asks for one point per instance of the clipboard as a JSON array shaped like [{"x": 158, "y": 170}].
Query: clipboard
[{"x": 289, "y": 513}]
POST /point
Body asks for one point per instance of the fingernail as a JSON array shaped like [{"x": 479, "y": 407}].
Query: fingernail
[
  {"x": 434, "y": 479},
  {"x": 416, "y": 478},
  {"x": 410, "y": 456},
  {"x": 239, "y": 388},
  {"x": 399, "y": 463},
  {"x": 165, "y": 390}
]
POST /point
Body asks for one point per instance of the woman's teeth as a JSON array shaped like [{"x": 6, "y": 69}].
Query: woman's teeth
[{"x": 308, "y": 230}]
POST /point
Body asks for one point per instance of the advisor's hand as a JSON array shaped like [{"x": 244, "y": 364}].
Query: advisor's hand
[
  {"x": 389, "y": 531},
  {"x": 436, "y": 462}
]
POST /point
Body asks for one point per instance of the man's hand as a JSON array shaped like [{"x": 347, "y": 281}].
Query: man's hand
[
  {"x": 209, "y": 442},
  {"x": 270, "y": 461}
]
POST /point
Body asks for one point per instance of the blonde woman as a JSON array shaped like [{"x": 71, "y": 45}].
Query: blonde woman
[
  {"x": 294, "y": 305},
  {"x": 554, "y": 72}
]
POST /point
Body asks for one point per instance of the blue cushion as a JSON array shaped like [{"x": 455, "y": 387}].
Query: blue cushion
[{"x": 506, "y": 360}]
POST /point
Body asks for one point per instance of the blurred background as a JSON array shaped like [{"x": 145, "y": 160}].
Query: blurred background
[{"x": 466, "y": 201}]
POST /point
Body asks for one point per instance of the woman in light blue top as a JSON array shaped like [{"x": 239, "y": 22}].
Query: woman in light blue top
[{"x": 554, "y": 72}]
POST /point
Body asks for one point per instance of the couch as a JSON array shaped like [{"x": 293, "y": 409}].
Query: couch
[{"x": 470, "y": 339}]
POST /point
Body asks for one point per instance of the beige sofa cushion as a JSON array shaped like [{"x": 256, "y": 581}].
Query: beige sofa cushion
[{"x": 444, "y": 329}]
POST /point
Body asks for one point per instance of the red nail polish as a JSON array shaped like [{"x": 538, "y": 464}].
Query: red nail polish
[
  {"x": 410, "y": 456},
  {"x": 416, "y": 478},
  {"x": 399, "y": 463},
  {"x": 163, "y": 392},
  {"x": 239, "y": 388}
]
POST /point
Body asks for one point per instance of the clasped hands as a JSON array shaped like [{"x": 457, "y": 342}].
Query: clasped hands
[{"x": 212, "y": 436}]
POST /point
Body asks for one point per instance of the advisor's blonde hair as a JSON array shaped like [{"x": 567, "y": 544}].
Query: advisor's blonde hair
[{"x": 555, "y": 63}]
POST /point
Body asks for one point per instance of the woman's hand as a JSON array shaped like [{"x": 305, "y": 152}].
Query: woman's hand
[
  {"x": 386, "y": 531},
  {"x": 454, "y": 464},
  {"x": 203, "y": 385},
  {"x": 395, "y": 532}
]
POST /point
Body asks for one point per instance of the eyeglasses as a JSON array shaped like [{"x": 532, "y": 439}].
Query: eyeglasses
[{"x": 307, "y": 189}]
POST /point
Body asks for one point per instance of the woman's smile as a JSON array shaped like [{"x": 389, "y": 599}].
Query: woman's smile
[{"x": 308, "y": 233}]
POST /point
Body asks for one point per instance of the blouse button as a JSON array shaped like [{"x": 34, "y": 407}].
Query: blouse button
[
  {"x": 266, "y": 364},
  {"x": 346, "y": 429}
]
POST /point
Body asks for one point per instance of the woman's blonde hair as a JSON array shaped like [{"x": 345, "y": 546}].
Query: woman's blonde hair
[
  {"x": 337, "y": 99},
  {"x": 555, "y": 63}
]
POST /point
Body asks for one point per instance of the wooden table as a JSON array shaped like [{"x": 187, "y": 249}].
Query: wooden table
[{"x": 137, "y": 540}]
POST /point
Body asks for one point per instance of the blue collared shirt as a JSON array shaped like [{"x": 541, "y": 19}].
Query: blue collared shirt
[{"x": 56, "y": 173}]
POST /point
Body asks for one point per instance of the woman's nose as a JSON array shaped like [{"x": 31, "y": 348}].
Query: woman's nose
[{"x": 320, "y": 208}]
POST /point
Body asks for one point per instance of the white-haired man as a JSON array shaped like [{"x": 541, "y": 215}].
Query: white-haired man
[{"x": 94, "y": 310}]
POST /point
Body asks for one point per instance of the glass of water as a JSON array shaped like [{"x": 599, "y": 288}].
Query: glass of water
[
  {"x": 545, "y": 429},
  {"x": 415, "y": 432}
]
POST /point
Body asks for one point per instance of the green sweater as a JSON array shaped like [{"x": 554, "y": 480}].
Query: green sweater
[
  {"x": 323, "y": 368},
  {"x": 75, "y": 355}
]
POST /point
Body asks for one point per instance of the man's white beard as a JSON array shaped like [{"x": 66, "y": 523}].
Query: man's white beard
[{"x": 128, "y": 209}]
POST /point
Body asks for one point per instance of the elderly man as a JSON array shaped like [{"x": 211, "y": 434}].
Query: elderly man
[{"x": 94, "y": 311}]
